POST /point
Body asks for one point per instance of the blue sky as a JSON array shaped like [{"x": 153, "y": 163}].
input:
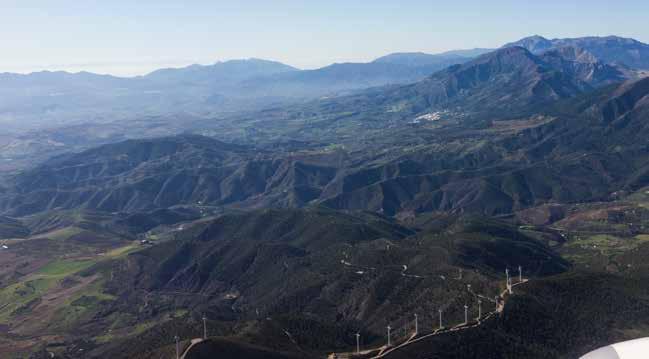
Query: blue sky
[{"x": 132, "y": 37}]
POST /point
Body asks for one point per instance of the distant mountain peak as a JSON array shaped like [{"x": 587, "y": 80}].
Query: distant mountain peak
[
  {"x": 252, "y": 60},
  {"x": 535, "y": 39},
  {"x": 423, "y": 59},
  {"x": 512, "y": 78},
  {"x": 535, "y": 43},
  {"x": 509, "y": 51},
  {"x": 419, "y": 59},
  {"x": 608, "y": 49},
  {"x": 222, "y": 71},
  {"x": 516, "y": 56}
]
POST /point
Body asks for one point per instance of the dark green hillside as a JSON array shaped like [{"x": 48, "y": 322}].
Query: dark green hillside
[
  {"x": 319, "y": 274},
  {"x": 12, "y": 228},
  {"x": 583, "y": 156},
  {"x": 232, "y": 349},
  {"x": 558, "y": 317},
  {"x": 119, "y": 224},
  {"x": 146, "y": 175},
  {"x": 144, "y": 221},
  {"x": 491, "y": 245},
  {"x": 233, "y": 248}
]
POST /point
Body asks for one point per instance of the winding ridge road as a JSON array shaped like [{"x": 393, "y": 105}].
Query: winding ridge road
[{"x": 383, "y": 351}]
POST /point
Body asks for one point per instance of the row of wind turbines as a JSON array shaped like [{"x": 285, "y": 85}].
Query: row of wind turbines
[{"x": 498, "y": 308}]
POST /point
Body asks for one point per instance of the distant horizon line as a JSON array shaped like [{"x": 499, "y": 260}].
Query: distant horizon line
[
  {"x": 181, "y": 64},
  {"x": 146, "y": 68}
]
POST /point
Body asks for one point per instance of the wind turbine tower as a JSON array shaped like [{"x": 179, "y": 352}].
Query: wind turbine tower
[
  {"x": 509, "y": 281},
  {"x": 177, "y": 339},
  {"x": 389, "y": 329},
  {"x": 358, "y": 343},
  {"x": 416, "y": 324},
  {"x": 204, "y": 328}
]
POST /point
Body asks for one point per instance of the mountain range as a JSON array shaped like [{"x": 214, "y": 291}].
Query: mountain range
[
  {"x": 286, "y": 228},
  {"x": 57, "y": 98},
  {"x": 510, "y": 78},
  {"x": 441, "y": 175}
]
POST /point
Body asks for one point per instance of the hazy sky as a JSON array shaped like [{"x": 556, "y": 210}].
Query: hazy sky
[{"x": 128, "y": 37}]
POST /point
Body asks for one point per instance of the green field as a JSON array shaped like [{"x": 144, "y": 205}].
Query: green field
[{"x": 28, "y": 291}]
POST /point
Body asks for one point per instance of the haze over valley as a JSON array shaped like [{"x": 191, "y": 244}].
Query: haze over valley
[{"x": 484, "y": 202}]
